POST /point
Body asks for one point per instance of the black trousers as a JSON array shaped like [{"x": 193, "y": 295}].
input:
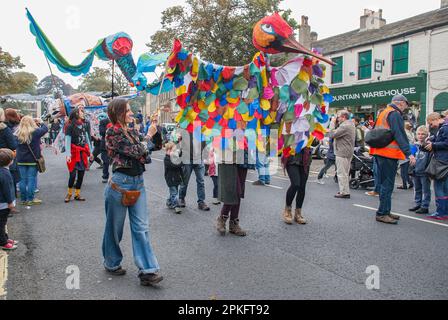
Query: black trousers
[
  {"x": 3, "y": 220},
  {"x": 106, "y": 163},
  {"x": 71, "y": 180},
  {"x": 96, "y": 152},
  {"x": 298, "y": 175}
]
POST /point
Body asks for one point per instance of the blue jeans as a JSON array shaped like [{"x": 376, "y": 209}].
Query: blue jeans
[
  {"x": 263, "y": 168},
  {"x": 441, "y": 191},
  {"x": 387, "y": 170},
  {"x": 172, "y": 201},
  {"x": 28, "y": 182},
  {"x": 404, "y": 172},
  {"x": 199, "y": 171},
  {"x": 422, "y": 187},
  {"x": 375, "y": 176},
  {"x": 144, "y": 257}
]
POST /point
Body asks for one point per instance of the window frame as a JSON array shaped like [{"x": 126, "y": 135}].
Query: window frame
[
  {"x": 399, "y": 60},
  {"x": 364, "y": 66},
  {"x": 333, "y": 71}
]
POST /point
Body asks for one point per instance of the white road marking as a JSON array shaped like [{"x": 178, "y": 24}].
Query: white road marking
[
  {"x": 405, "y": 216},
  {"x": 160, "y": 160},
  {"x": 270, "y": 186}
]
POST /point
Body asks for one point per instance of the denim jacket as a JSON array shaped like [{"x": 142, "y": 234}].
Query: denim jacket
[{"x": 121, "y": 150}]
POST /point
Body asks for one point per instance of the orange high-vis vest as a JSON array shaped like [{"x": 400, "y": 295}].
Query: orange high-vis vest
[{"x": 392, "y": 151}]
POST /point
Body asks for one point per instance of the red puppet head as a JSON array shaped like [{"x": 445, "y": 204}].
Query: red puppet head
[{"x": 273, "y": 35}]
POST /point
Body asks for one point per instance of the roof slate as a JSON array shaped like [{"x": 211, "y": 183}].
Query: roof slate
[{"x": 357, "y": 38}]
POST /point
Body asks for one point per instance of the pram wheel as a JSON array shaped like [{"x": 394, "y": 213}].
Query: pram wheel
[{"x": 354, "y": 184}]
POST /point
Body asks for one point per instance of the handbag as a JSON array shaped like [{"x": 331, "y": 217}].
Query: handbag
[
  {"x": 379, "y": 137},
  {"x": 129, "y": 197},
  {"x": 437, "y": 170},
  {"x": 39, "y": 162}
]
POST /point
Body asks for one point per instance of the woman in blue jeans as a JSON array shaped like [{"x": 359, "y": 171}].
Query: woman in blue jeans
[
  {"x": 128, "y": 157},
  {"x": 29, "y": 134},
  {"x": 438, "y": 144}
]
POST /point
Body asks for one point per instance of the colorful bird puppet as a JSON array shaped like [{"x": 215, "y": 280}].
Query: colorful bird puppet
[
  {"x": 228, "y": 102},
  {"x": 223, "y": 104},
  {"x": 116, "y": 47}
]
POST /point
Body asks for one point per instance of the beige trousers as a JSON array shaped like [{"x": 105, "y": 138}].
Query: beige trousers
[{"x": 343, "y": 172}]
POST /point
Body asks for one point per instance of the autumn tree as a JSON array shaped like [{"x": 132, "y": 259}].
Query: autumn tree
[{"x": 220, "y": 31}]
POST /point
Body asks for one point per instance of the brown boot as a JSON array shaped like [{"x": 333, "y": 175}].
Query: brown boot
[
  {"x": 235, "y": 228},
  {"x": 287, "y": 215},
  {"x": 298, "y": 217},
  {"x": 78, "y": 195},
  {"x": 221, "y": 225},
  {"x": 386, "y": 219},
  {"x": 68, "y": 197}
]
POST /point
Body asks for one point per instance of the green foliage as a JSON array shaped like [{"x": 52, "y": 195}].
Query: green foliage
[
  {"x": 23, "y": 82},
  {"x": 46, "y": 86},
  {"x": 8, "y": 63},
  {"x": 100, "y": 80},
  {"x": 219, "y": 30}
]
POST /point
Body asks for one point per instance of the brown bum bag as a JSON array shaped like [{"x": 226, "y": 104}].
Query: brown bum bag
[{"x": 129, "y": 197}]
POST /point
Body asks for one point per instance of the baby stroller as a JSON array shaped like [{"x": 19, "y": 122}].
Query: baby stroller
[{"x": 361, "y": 171}]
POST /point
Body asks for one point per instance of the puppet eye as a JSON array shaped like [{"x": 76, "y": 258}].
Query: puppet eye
[{"x": 267, "y": 28}]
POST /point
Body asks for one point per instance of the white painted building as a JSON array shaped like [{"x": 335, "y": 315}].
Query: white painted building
[{"x": 379, "y": 60}]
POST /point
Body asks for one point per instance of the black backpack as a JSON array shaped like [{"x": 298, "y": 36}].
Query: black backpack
[{"x": 379, "y": 137}]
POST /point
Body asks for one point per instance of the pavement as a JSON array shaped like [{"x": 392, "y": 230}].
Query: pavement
[{"x": 325, "y": 259}]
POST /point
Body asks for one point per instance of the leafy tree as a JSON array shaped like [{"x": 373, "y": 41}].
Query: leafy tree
[
  {"x": 46, "y": 86},
  {"x": 100, "y": 80},
  {"x": 23, "y": 82},
  {"x": 8, "y": 63},
  {"x": 96, "y": 80},
  {"x": 219, "y": 30}
]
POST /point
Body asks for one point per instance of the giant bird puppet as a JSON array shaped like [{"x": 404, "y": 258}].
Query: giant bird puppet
[{"x": 218, "y": 103}]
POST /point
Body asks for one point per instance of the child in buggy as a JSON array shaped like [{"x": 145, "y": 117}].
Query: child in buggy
[{"x": 361, "y": 171}]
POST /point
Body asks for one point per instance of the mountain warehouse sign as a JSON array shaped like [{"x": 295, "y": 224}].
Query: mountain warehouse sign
[{"x": 379, "y": 92}]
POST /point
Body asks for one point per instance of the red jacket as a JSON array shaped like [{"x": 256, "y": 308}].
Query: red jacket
[{"x": 76, "y": 156}]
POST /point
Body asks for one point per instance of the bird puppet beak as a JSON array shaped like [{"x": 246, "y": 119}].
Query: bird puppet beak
[{"x": 292, "y": 45}]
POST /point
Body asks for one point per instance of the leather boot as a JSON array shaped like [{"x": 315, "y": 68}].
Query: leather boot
[
  {"x": 287, "y": 215},
  {"x": 68, "y": 197},
  {"x": 298, "y": 217},
  {"x": 234, "y": 228},
  {"x": 78, "y": 195},
  {"x": 221, "y": 225}
]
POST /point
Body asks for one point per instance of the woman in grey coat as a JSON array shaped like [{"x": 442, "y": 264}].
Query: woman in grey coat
[{"x": 231, "y": 186}]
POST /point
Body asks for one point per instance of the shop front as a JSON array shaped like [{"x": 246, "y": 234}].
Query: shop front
[{"x": 365, "y": 100}]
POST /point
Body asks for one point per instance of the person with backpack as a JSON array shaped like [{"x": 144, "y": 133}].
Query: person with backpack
[
  {"x": 390, "y": 124},
  {"x": 29, "y": 135}
]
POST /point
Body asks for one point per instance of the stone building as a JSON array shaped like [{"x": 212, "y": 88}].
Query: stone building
[{"x": 379, "y": 60}]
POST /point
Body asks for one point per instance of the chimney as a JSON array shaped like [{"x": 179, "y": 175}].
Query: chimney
[
  {"x": 372, "y": 20},
  {"x": 314, "y": 36},
  {"x": 444, "y": 4},
  {"x": 305, "y": 33}
]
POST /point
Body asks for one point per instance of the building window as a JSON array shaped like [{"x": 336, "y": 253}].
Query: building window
[
  {"x": 365, "y": 65},
  {"x": 400, "y": 58},
  {"x": 337, "y": 70}
]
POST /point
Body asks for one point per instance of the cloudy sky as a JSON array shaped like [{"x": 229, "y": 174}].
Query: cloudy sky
[{"x": 76, "y": 25}]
